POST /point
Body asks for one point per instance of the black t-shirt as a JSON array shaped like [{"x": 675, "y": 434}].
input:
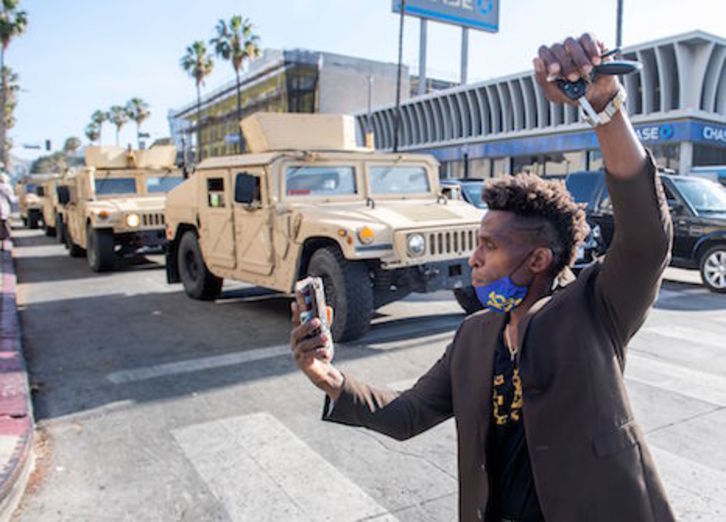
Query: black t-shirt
[{"x": 513, "y": 494}]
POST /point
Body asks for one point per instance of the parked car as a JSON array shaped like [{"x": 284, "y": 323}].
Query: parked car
[
  {"x": 713, "y": 172},
  {"x": 698, "y": 210},
  {"x": 467, "y": 189}
]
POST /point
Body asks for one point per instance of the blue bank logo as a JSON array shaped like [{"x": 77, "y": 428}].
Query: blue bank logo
[
  {"x": 666, "y": 131},
  {"x": 484, "y": 6}
]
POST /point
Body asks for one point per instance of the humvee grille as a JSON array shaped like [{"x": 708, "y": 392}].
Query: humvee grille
[
  {"x": 152, "y": 219},
  {"x": 451, "y": 241}
]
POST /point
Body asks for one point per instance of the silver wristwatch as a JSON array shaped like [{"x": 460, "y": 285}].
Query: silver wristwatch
[{"x": 604, "y": 116}]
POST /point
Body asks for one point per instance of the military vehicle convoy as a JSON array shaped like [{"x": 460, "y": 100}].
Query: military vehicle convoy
[
  {"x": 113, "y": 207},
  {"x": 307, "y": 201},
  {"x": 30, "y": 203},
  {"x": 51, "y": 212}
]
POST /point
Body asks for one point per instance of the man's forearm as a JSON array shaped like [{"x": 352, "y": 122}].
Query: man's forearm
[{"x": 622, "y": 152}]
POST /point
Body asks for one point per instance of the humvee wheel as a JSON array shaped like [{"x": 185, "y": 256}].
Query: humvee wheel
[
  {"x": 33, "y": 219},
  {"x": 467, "y": 299},
  {"x": 198, "y": 281},
  {"x": 49, "y": 231},
  {"x": 73, "y": 249},
  {"x": 347, "y": 290},
  {"x": 60, "y": 233},
  {"x": 100, "y": 254}
]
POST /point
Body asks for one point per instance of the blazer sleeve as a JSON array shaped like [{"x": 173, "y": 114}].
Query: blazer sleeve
[
  {"x": 628, "y": 281},
  {"x": 400, "y": 415}
]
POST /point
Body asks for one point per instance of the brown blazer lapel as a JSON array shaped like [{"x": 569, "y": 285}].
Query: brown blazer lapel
[
  {"x": 482, "y": 364},
  {"x": 523, "y": 326}
]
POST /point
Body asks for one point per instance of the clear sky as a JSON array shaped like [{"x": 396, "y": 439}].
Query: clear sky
[{"x": 82, "y": 55}]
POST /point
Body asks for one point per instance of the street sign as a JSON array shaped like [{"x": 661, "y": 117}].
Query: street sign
[
  {"x": 476, "y": 14},
  {"x": 230, "y": 139}
]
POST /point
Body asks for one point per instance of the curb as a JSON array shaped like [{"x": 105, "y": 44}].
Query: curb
[{"x": 16, "y": 415}]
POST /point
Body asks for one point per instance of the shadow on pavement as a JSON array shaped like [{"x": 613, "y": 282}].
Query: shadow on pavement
[
  {"x": 73, "y": 345},
  {"x": 685, "y": 296}
]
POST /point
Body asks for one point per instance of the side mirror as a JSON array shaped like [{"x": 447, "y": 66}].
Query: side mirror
[
  {"x": 64, "y": 196},
  {"x": 676, "y": 207},
  {"x": 40, "y": 192},
  {"x": 246, "y": 189}
]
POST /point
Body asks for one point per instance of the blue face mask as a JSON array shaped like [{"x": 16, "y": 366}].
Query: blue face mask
[{"x": 503, "y": 294}]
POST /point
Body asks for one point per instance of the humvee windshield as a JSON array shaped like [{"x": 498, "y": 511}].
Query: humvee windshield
[
  {"x": 399, "y": 180},
  {"x": 162, "y": 183},
  {"x": 115, "y": 186},
  {"x": 320, "y": 180}
]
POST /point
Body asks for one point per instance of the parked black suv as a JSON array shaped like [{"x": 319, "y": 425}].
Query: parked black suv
[{"x": 698, "y": 211}]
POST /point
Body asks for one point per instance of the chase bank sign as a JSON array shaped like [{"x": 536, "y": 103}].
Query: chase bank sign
[
  {"x": 712, "y": 133},
  {"x": 653, "y": 133}
]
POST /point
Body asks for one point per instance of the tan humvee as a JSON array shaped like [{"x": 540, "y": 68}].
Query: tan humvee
[
  {"x": 52, "y": 211},
  {"x": 30, "y": 198},
  {"x": 114, "y": 205},
  {"x": 307, "y": 201}
]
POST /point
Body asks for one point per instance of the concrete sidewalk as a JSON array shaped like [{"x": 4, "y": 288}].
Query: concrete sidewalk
[{"x": 16, "y": 415}]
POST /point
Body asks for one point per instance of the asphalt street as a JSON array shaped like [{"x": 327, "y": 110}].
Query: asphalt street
[{"x": 152, "y": 406}]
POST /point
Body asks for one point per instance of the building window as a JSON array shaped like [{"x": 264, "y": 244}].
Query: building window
[{"x": 707, "y": 155}]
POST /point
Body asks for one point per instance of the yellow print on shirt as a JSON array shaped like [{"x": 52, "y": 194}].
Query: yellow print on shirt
[{"x": 501, "y": 418}]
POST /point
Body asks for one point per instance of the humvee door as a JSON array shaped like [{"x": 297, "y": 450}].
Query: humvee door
[
  {"x": 216, "y": 232},
  {"x": 252, "y": 227}
]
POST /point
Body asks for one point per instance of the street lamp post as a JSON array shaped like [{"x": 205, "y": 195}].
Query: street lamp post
[
  {"x": 619, "y": 28},
  {"x": 369, "y": 125}
]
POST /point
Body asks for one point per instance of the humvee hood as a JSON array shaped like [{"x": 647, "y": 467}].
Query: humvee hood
[
  {"x": 399, "y": 215},
  {"x": 130, "y": 204}
]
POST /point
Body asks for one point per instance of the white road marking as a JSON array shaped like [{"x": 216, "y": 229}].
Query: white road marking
[
  {"x": 693, "y": 335},
  {"x": 706, "y": 387},
  {"x": 194, "y": 365},
  {"x": 259, "y": 470},
  {"x": 696, "y": 491}
]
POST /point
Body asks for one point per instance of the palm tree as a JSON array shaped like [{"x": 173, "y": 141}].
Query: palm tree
[
  {"x": 237, "y": 43},
  {"x": 10, "y": 79},
  {"x": 71, "y": 145},
  {"x": 198, "y": 63},
  {"x": 12, "y": 23},
  {"x": 93, "y": 131},
  {"x": 138, "y": 110},
  {"x": 98, "y": 117},
  {"x": 119, "y": 117}
]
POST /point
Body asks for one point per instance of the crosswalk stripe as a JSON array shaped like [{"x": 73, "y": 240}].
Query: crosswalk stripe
[
  {"x": 259, "y": 470},
  {"x": 706, "y": 387},
  {"x": 194, "y": 365},
  {"x": 693, "y": 335},
  {"x": 695, "y": 490}
]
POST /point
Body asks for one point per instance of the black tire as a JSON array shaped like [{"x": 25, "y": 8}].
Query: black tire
[
  {"x": 467, "y": 299},
  {"x": 49, "y": 231},
  {"x": 198, "y": 281},
  {"x": 348, "y": 291},
  {"x": 713, "y": 269},
  {"x": 33, "y": 219},
  {"x": 60, "y": 230},
  {"x": 100, "y": 254},
  {"x": 73, "y": 249}
]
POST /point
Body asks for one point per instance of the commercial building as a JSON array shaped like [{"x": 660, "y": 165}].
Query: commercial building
[
  {"x": 677, "y": 103},
  {"x": 295, "y": 80}
]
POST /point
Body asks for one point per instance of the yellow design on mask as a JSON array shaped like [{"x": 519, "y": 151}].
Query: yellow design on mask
[{"x": 499, "y": 302}]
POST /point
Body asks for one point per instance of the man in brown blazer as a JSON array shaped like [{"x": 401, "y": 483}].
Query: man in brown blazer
[{"x": 544, "y": 425}]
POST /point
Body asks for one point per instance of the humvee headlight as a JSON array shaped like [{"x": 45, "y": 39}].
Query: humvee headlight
[
  {"x": 133, "y": 220},
  {"x": 416, "y": 245},
  {"x": 366, "y": 235}
]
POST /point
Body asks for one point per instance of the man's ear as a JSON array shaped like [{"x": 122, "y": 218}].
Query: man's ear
[{"x": 542, "y": 260}]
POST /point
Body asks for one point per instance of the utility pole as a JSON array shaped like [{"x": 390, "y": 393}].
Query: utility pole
[
  {"x": 464, "y": 54},
  {"x": 397, "y": 117},
  {"x": 369, "y": 125},
  {"x": 619, "y": 28},
  {"x": 422, "y": 57}
]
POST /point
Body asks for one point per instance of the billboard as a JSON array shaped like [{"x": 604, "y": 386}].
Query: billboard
[{"x": 475, "y": 14}]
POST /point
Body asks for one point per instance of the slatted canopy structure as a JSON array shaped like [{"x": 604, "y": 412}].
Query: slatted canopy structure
[{"x": 683, "y": 77}]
